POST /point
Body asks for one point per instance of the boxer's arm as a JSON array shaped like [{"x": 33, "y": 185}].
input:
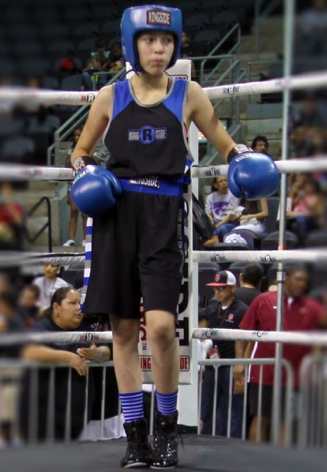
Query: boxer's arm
[
  {"x": 95, "y": 126},
  {"x": 200, "y": 110}
]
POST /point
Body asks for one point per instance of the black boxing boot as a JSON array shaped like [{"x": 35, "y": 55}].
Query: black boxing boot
[
  {"x": 138, "y": 452},
  {"x": 164, "y": 451}
]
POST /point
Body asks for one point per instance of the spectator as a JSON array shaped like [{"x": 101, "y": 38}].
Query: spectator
[
  {"x": 311, "y": 29},
  {"x": 29, "y": 308},
  {"x": 301, "y": 313},
  {"x": 117, "y": 61},
  {"x": 226, "y": 311},
  {"x": 48, "y": 284},
  {"x": 250, "y": 282},
  {"x": 221, "y": 206},
  {"x": 12, "y": 219},
  {"x": 307, "y": 209},
  {"x": 100, "y": 47},
  {"x": 253, "y": 215},
  {"x": 92, "y": 79},
  {"x": 74, "y": 211},
  {"x": 64, "y": 315},
  {"x": 260, "y": 144}
]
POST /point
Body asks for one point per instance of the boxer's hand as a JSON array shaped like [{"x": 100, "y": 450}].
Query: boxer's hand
[
  {"x": 94, "y": 190},
  {"x": 252, "y": 174}
]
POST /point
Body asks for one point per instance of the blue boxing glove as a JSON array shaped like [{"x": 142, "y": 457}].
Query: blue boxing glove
[
  {"x": 251, "y": 174},
  {"x": 94, "y": 190}
]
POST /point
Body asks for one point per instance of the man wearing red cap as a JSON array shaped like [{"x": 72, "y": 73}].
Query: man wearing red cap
[{"x": 223, "y": 311}]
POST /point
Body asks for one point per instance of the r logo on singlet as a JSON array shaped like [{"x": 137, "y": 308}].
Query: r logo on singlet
[{"x": 147, "y": 134}]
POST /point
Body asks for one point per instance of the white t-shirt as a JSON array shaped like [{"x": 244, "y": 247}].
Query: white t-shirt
[
  {"x": 47, "y": 289},
  {"x": 218, "y": 205}
]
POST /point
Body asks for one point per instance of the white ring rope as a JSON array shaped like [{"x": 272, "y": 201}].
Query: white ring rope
[
  {"x": 290, "y": 337},
  {"x": 27, "y": 172},
  {"x": 12, "y": 259},
  {"x": 68, "y": 337},
  {"x": 72, "y": 337},
  {"x": 16, "y": 259},
  {"x": 24, "y": 95},
  {"x": 266, "y": 257},
  {"x": 306, "y": 164}
]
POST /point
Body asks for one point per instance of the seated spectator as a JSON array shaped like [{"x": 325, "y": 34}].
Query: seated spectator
[
  {"x": 12, "y": 219},
  {"x": 91, "y": 78},
  {"x": 300, "y": 141},
  {"x": 221, "y": 206},
  {"x": 64, "y": 315},
  {"x": 260, "y": 144},
  {"x": 117, "y": 61},
  {"x": 48, "y": 284},
  {"x": 28, "y": 304},
  {"x": 307, "y": 210},
  {"x": 253, "y": 216},
  {"x": 100, "y": 47}
]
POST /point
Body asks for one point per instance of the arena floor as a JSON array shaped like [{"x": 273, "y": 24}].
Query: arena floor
[{"x": 200, "y": 453}]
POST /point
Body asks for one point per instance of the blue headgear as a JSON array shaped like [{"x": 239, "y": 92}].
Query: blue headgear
[{"x": 149, "y": 17}]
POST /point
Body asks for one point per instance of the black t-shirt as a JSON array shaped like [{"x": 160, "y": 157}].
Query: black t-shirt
[
  {"x": 247, "y": 294},
  {"x": 229, "y": 318},
  {"x": 61, "y": 379}
]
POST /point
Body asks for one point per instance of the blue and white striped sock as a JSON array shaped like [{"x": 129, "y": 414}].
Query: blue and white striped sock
[
  {"x": 132, "y": 405},
  {"x": 167, "y": 403}
]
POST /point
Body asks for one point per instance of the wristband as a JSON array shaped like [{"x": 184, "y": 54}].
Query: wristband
[
  {"x": 238, "y": 149},
  {"x": 99, "y": 355},
  {"x": 82, "y": 162}
]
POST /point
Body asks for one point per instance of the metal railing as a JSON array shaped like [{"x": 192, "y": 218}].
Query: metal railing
[
  {"x": 311, "y": 427},
  {"x": 46, "y": 225}
]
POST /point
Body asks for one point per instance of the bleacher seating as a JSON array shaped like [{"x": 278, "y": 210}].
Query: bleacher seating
[{"x": 48, "y": 32}]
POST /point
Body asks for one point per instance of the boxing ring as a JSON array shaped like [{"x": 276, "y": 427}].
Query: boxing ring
[{"x": 199, "y": 453}]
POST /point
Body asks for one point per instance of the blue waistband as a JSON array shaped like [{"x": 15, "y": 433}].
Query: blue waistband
[{"x": 153, "y": 186}]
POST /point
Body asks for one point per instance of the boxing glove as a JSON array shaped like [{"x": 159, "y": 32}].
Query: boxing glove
[
  {"x": 253, "y": 175},
  {"x": 94, "y": 190}
]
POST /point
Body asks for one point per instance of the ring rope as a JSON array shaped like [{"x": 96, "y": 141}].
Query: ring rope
[
  {"x": 290, "y": 337},
  {"x": 261, "y": 256},
  {"x": 24, "y": 95},
  {"x": 10, "y": 259},
  {"x": 68, "y": 337},
  {"x": 16, "y": 259},
  {"x": 72, "y": 337},
  {"x": 27, "y": 172},
  {"x": 306, "y": 164}
]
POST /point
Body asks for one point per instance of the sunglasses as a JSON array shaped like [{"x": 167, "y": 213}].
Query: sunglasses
[{"x": 221, "y": 289}]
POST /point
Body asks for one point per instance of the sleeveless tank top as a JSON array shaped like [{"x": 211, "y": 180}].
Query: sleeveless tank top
[{"x": 147, "y": 140}]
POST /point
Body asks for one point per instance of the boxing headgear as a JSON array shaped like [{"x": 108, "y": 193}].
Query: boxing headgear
[{"x": 146, "y": 18}]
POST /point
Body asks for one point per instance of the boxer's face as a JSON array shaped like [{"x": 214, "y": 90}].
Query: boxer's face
[{"x": 155, "y": 51}]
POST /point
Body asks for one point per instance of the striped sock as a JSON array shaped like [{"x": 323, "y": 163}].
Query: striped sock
[
  {"x": 132, "y": 405},
  {"x": 167, "y": 403}
]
